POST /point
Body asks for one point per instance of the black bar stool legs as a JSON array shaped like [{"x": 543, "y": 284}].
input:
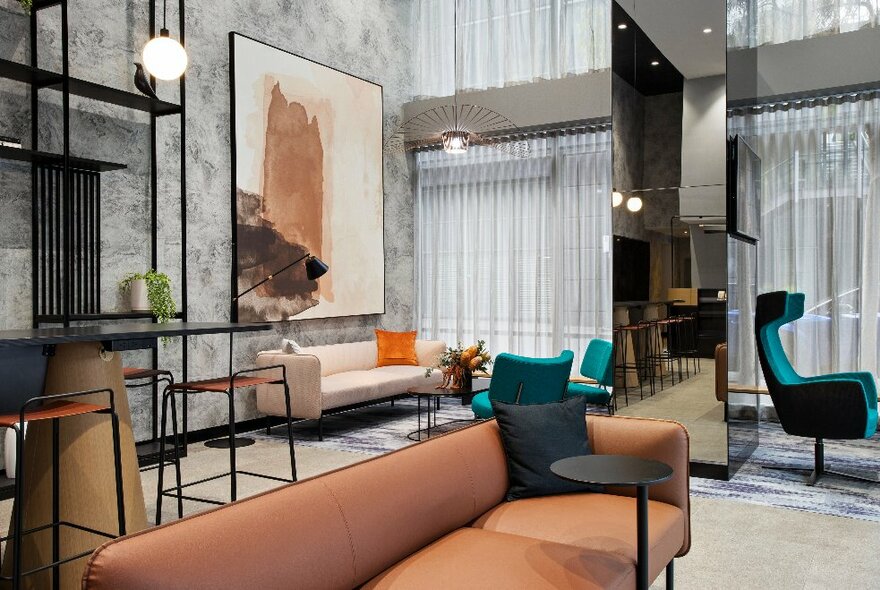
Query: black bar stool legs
[
  {"x": 168, "y": 395},
  {"x": 227, "y": 386},
  {"x": 55, "y": 408}
]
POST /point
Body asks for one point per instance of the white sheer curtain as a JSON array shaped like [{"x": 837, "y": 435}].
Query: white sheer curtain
[
  {"x": 516, "y": 252},
  {"x": 752, "y": 23},
  {"x": 820, "y": 224},
  {"x": 506, "y": 42}
]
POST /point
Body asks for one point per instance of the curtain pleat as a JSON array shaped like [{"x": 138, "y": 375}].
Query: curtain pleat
[
  {"x": 820, "y": 223},
  {"x": 506, "y": 42},
  {"x": 753, "y": 23},
  {"x": 515, "y": 252}
]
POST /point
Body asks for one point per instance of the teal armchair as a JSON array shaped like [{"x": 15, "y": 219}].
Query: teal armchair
[
  {"x": 598, "y": 365},
  {"x": 838, "y": 406},
  {"x": 524, "y": 380}
]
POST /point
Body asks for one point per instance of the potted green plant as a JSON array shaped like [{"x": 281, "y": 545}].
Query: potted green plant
[{"x": 150, "y": 291}]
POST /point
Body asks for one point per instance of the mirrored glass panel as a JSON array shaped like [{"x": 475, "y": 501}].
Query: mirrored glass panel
[{"x": 669, "y": 216}]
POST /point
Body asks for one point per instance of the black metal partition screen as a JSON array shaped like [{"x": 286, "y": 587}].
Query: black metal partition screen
[{"x": 68, "y": 237}]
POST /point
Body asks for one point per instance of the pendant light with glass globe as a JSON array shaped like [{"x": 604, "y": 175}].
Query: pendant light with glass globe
[{"x": 164, "y": 57}]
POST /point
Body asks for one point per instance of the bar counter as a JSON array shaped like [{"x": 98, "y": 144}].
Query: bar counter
[{"x": 59, "y": 360}]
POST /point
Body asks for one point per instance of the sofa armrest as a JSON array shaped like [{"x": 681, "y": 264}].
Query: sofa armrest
[
  {"x": 661, "y": 440},
  {"x": 428, "y": 352},
  {"x": 304, "y": 380}
]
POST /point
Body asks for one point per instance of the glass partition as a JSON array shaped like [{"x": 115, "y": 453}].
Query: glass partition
[{"x": 669, "y": 218}]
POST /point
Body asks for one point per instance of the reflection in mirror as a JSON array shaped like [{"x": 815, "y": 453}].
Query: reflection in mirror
[
  {"x": 804, "y": 94},
  {"x": 669, "y": 220}
]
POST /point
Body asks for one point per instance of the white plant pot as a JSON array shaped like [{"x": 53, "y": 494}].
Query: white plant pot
[
  {"x": 138, "y": 294},
  {"x": 9, "y": 451}
]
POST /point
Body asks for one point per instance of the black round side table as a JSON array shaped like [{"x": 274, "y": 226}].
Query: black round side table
[{"x": 621, "y": 470}]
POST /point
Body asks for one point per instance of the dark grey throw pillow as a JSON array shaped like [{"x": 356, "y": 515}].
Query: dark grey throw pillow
[{"x": 534, "y": 437}]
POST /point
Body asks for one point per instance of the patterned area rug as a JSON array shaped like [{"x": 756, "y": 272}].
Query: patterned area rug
[
  {"x": 757, "y": 483},
  {"x": 384, "y": 428},
  {"x": 376, "y": 430}
]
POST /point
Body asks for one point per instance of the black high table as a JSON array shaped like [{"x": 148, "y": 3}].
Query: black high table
[
  {"x": 622, "y": 470},
  {"x": 58, "y": 360}
]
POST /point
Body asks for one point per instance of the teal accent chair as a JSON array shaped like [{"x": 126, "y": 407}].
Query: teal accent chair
[
  {"x": 524, "y": 380},
  {"x": 837, "y": 406},
  {"x": 598, "y": 365}
]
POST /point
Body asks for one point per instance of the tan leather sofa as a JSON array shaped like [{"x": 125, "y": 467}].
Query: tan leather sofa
[
  {"x": 432, "y": 515},
  {"x": 325, "y": 378}
]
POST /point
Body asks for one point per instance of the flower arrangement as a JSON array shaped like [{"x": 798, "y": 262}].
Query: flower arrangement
[{"x": 458, "y": 364}]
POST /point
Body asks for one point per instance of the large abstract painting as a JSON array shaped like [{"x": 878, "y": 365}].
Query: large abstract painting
[{"x": 307, "y": 166}]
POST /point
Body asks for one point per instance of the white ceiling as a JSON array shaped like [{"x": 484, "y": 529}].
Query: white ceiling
[{"x": 676, "y": 28}]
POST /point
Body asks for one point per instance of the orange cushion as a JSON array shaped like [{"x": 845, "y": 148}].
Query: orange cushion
[{"x": 396, "y": 348}]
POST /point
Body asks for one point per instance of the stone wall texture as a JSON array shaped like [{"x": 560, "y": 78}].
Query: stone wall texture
[{"x": 367, "y": 38}]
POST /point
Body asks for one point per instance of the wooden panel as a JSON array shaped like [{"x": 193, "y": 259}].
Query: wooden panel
[{"x": 87, "y": 485}]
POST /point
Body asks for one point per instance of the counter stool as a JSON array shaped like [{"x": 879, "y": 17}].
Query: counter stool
[
  {"x": 225, "y": 385},
  {"x": 56, "y": 408},
  {"x": 624, "y": 336},
  {"x": 650, "y": 345},
  {"x": 688, "y": 342},
  {"x": 671, "y": 355},
  {"x": 137, "y": 378}
]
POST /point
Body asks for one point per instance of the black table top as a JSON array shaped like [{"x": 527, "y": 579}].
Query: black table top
[
  {"x": 433, "y": 390},
  {"x": 120, "y": 331},
  {"x": 612, "y": 470}
]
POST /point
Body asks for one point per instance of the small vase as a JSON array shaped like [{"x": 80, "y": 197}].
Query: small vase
[
  {"x": 467, "y": 380},
  {"x": 138, "y": 295}
]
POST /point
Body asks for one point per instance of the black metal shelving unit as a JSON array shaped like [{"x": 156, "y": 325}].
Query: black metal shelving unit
[{"x": 66, "y": 193}]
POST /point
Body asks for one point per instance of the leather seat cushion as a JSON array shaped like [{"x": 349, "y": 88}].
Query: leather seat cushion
[
  {"x": 592, "y": 521},
  {"x": 593, "y": 395},
  {"x": 474, "y": 558}
]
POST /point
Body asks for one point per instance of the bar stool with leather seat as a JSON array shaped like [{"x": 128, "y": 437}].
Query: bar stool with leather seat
[
  {"x": 688, "y": 347},
  {"x": 670, "y": 355},
  {"x": 56, "y": 407},
  {"x": 227, "y": 386},
  {"x": 138, "y": 378},
  {"x": 631, "y": 338}
]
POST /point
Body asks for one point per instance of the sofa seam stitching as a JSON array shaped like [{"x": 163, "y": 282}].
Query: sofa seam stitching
[
  {"x": 470, "y": 476},
  {"x": 347, "y": 531}
]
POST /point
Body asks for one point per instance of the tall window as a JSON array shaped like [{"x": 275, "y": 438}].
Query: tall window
[
  {"x": 820, "y": 222},
  {"x": 505, "y": 42},
  {"x": 752, "y": 23},
  {"x": 516, "y": 252}
]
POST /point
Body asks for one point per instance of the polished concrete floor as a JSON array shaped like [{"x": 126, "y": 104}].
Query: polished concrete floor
[{"x": 691, "y": 402}]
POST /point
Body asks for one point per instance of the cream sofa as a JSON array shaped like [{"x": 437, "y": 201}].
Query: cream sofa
[{"x": 324, "y": 379}]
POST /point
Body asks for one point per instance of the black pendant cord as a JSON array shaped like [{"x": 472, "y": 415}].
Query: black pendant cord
[{"x": 455, "y": 65}]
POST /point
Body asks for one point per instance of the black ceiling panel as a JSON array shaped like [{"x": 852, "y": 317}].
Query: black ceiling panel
[{"x": 632, "y": 52}]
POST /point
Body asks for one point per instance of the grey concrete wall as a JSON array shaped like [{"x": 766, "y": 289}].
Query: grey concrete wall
[
  {"x": 368, "y": 38},
  {"x": 703, "y": 145}
]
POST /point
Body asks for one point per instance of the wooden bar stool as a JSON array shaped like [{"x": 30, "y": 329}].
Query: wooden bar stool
[
  {"x": 56, "y": 408},
  {"x": 227, "y": 386}
]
